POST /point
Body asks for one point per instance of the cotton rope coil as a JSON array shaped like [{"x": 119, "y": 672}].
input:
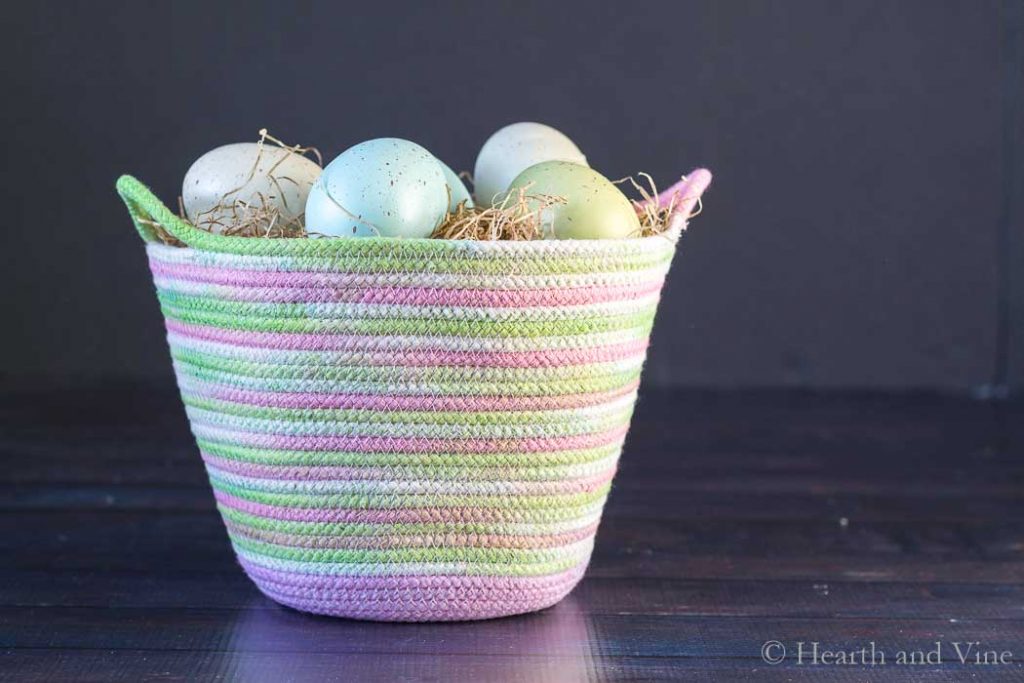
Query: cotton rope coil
[{"x": 406, "y": 429}]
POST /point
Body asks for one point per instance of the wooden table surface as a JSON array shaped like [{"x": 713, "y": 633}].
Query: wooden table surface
[{"x": 736, "y": 519}]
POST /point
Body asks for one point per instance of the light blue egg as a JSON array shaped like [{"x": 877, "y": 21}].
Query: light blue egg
[
  {"x": 386, "y": 187},
  {"x": 458, "y": 193},
  {"x": 325, "y": 217}
]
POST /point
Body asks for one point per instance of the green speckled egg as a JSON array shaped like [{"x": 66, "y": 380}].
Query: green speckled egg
[
  {"x": 515, "y": 148},
  {"x": 594, "y": 208}
]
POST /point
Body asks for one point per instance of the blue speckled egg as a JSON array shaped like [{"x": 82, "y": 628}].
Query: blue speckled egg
[{"x": 386, "y": 187}]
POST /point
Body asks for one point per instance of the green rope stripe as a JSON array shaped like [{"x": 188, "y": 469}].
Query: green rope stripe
[
  {"x": 396, "y": 373},
  {"x": 269, "y": 456},
  {"x": 394, "y": 501},
  {"x": 597, "y": 384}
]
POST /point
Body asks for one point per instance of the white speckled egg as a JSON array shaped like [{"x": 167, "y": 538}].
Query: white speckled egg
[
  {"x": 515, "y": 148},
  {"x": 594, "y": 208},
  {"x": 242, "y": 172},
  {"x": 385, "y": 187},
  {"x": 458, "y": 192}
]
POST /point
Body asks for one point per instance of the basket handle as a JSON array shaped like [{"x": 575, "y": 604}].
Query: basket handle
[
  {"x": 687, "y": 193},
  {"x": 146, "y": 209}
]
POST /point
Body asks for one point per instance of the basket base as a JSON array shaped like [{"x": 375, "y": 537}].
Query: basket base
[{"x": 413, "y": 598}]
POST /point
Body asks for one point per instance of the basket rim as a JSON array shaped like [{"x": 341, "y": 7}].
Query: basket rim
[{"x": 145, "y": 207}]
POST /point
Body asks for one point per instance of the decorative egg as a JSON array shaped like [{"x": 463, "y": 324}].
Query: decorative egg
[
  {"x": 515, "y": 148},
  {"x": 246, "y": 173},
  {"x": 385, "y": 187},
  {"x": 457, "y": 189},
  {"x": 594, "y": 208}
]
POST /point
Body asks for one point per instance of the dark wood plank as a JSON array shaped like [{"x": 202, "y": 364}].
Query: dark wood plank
[
  {"x": 596, "y": 595},
  {"x": 735, "y": 472},
  {"x": 84, "y": 666},
  {"x": 727, "y": 472},
  {"x": 564, "y": 630},
  {"x": 735, "y": 518},
  {"x": 695, "y": 548}
]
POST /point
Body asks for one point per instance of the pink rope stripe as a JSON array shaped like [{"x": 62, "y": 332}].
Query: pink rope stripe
[
  {"x": 324, "y": 472},
  {"x": 432, "y": 582},
  {"x": 413, "y": 598},
  {"x": 387, "y": 444},
  {"x": 448, "y": 515},
  {"x": 516, "y": 488},
  {"x": 450, "y": 540},
  {"x": 491, "y": 359},
  {"x": 428, "y": 296},
  {"x": 423, "y": 608},
  {"x": 235, "y": 277},
  {"x": 310, "y": 400}
]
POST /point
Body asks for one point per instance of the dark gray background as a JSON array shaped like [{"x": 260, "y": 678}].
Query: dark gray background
[{"x": 863, "y": 229}]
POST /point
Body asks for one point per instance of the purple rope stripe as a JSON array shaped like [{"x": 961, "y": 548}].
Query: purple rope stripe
[{"x": 415, "y": 598}]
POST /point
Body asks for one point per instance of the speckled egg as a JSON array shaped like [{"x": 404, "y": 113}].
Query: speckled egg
[
  {"x": 246, "y": 172},
  {"x": 457, "y": 189},
  {"x": 386, "y": 187},
  {"x": 594, "y": 208},
  {"x": 515, "y": 148}
]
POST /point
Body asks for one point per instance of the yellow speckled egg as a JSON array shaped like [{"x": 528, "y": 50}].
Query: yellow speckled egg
[{"x": 594, "y": 208}]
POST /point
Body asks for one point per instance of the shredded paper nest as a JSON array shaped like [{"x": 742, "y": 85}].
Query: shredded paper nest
[{"x": 519, "y": 217}]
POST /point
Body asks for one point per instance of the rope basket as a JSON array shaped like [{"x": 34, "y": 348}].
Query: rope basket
[{"x": 406, "y": 429}]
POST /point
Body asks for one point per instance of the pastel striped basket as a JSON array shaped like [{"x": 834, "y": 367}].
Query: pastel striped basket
[{"x": 406, "y": 430}]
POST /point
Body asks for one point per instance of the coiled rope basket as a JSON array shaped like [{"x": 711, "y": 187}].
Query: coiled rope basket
[{"x": 406, "y": 429}]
